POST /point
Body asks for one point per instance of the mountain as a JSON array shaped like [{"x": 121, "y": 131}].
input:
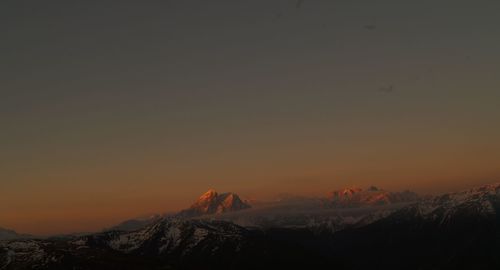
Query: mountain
[
  {"x": 6, "y": 234},
  {"x": 208, "y": 203},
  {"x": 480, "y": 201},
  {"x": 357, "y": 197},
  {"x": 342, "y": 209},
  {"x": 213, "y": 203},
  {"x": 351, "y": 207},
  {"x": 306, "y": 213},
  {"x": 452, "y": 231},
  {"x": 167, "y": 244},
  {"x": 136, "y": 223}
]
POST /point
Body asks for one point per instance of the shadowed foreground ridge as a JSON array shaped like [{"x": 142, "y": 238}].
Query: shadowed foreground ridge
[{"x": 451, "y": 231}]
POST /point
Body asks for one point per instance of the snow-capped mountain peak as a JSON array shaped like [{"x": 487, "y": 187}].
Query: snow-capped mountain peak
[{"x": 212, "y": 202}]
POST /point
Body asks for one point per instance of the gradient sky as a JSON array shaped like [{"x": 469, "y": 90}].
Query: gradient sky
[{"x": 110, "y": 110}]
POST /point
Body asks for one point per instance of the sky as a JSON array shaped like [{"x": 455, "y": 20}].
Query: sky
[{"x": 115, "y": 109}]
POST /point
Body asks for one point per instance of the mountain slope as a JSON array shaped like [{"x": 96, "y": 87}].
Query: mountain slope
[
  {"x": 167, "y": 244},
  {"x": 136, "y": 223},
  {"x": 453, "y": 231}
]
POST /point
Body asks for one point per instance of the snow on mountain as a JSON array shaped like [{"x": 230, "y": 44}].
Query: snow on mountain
[
  {"x": 209, "y": 203},
  {"x": 213, "y": 203},
  {"x": 357, "y": 197},
  {"x": 306, "y": 213},
  {"x": 23, "y": 252},
  {"x": 166, "y": 237},
  {"x": 451, "y": 226},
  {"x": 480, "y": 201},
  {"x": 341, "y": 209},
  {"x": 452, "y": 231}
]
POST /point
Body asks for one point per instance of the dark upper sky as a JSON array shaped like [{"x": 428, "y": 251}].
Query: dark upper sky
[{"x": 110, "y": 109}]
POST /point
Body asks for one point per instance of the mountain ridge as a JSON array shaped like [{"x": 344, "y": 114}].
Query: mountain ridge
[
  {"x": 451, "y": 231},
  {"x": 356, "y": 197},
  {"x": 212, "y": 202}
]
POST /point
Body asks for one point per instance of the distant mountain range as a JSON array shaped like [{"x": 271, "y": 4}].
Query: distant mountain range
[
  {"x": 452, "y": 231},
  {"x": 208, "y": 203},
  {"x": 356, "y": 197},
  {"x": 358, "y": 207},
  {"x": 6, "y": 234}
]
